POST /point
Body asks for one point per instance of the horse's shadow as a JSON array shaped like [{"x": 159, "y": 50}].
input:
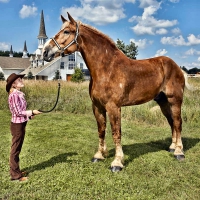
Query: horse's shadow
[
  {"x": 138, "y": 149},
  {"x": 51, "y": 162},
  {"x": 133, "y": 151}
]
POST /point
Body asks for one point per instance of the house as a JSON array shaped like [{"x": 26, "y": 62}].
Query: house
[
  {"x": 9, "y": 65},
  {"x": 40, "y": 69}
]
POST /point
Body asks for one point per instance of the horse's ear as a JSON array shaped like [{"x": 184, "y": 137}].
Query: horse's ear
[
  {"x": 63, "y": 19},
  {"x": 71, "y": 19}
]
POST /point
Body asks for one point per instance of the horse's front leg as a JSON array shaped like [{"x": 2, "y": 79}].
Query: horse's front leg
[
  {"x": 100, "y": 115},
  {"x": 114, "y": 114}
]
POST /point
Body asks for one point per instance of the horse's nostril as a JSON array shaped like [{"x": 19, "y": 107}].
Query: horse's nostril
[{"x": 45, "y": 53}]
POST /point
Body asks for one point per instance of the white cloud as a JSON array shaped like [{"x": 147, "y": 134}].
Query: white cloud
[
  {"x": 142, "y": 30},
  {"x": 4, "y": 1},
  {"x": 198, "y": 59},
  {"x": 99, "y": 12},
  {"x": 174, "y": 1},
  {"x": 151, "y": 25},
  {"x": 148, "y": 11},
  {"x": 4, "y": 46},
  {"x": 146, "y": 3},
  {"x": 147, "y": 23},
  {"x": 176, "y": 31},
  {"x": 142, "y": 43},
  {"x": 160, "y": 52},
  {"x": 193, "y": 40},
  {"x": 180, "y": 41},
  {"x": 130, "y": 1},
  {"x": 28, "y": 11},
  {"x": 161, "y": 31},
  {"x": 175, "y": 41},
  {"x": 192, "y": 65},
  {"x": 192, "y": 52}
]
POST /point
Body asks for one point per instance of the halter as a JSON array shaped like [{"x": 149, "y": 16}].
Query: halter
[{"x": 62, "y": 50}]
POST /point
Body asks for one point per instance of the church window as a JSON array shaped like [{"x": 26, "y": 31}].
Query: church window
[
  {"x": 81, "y": 65},
  {"x": 72, "y": 57},
  {"x": 71, "y": 66},
  {"x": 62, "y": 65}
]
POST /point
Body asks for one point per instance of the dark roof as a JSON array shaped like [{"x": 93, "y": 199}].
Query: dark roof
[
  {"x": 42, "y": 32},
  {"x": 14, "y": 63}
]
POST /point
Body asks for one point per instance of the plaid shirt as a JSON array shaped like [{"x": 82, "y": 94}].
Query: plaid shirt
[{"x": 17, "y": 105}]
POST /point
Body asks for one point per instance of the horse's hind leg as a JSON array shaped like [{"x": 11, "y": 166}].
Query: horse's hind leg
[
  {"x": 177, "y": 126},
  {"x": 100, "y": 115},
  {"x": 172, "y": 111}
]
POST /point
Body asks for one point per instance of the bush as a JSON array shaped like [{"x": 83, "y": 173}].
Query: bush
[
  {"x": 2, "y": 78},
  {"x": 78, "y": 76}
]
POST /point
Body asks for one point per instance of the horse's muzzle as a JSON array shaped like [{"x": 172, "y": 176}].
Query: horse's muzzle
[{"x": 46, "y": 57}]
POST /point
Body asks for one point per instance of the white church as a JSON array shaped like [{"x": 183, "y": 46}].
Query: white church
[{"x": 40, "y": 69}]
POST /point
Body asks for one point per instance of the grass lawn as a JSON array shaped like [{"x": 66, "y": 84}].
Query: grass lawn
[{"x": 57, "y": 154}]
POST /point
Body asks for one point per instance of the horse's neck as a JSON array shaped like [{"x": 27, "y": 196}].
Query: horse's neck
[{"x": 95, "y": 48}]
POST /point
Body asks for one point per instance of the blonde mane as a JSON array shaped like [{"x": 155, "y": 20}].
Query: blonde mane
[{"x": 97, "y": 32}]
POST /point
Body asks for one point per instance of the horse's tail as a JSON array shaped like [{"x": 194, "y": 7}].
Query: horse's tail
[{"x": 187, "y": 85}]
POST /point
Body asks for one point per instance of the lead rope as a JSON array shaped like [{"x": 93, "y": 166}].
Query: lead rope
[{"x": 58, "y": 94}]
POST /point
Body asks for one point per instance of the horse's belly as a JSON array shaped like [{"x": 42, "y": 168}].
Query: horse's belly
[{"x": 140, "y": 96}]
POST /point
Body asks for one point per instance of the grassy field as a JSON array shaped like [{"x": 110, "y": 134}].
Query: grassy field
[{"x": 59, "y": 146}]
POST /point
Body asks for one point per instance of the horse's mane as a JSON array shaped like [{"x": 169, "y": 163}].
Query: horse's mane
[{"x": 97, "y": 32}]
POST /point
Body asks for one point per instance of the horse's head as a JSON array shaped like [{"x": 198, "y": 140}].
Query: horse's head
[{"x": 64, "y": 42}]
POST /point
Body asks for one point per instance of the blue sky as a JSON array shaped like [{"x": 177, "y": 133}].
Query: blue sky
[{"x": 158, "y": 27}]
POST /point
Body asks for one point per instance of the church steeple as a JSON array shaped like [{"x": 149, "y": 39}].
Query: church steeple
[
  {"x": 25, "y": 52},
  {"x": 11, "y": 52},
  {"x": 42, "y": 35},
  {"x": 42, "y": 31},
  {"x": 25, "y": 48}
]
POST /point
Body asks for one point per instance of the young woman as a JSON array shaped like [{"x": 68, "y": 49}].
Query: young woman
[{"x": 20, "y": 116}]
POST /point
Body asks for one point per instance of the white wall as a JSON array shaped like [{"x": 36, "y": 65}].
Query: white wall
[{"x": 8, "y": 72}]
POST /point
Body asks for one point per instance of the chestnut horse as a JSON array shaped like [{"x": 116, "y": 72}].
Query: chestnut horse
[{"x": 118, "y": 81}]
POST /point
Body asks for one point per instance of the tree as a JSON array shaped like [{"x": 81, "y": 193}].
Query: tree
[
  {"x": 184, "y": 69},
  {"x": 193, "y": 71},
  {"x": 30, "y": 76},
  {"x": 57, "y": 75},
  {"x": 7, "y": 54},
  {"x": 130, "y": 50},
  {"x": 78, "y": 76},
  {"x": 2, "y": 78},
  {"x": 120, "y": 45}
]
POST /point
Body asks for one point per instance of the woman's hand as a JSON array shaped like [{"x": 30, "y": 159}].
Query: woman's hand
[{"x": 36, "y": 112}]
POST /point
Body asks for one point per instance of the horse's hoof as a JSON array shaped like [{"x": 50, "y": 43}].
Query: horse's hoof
[
  {"x": 179, "y": 157},
  {"x": 171, "y": 150},
  {"x": 94, "y": 160},
  {"x": 116, "y": 169}
]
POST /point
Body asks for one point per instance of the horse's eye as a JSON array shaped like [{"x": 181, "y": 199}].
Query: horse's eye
[{"x": 66, "y": 32}]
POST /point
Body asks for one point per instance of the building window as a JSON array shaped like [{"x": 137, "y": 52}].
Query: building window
[
  {"x": 71, "y": 66},
  {"x": 62, "y": 65},
  {"x": 81, "y": 65},
  {"x": 72, "y": 57}
]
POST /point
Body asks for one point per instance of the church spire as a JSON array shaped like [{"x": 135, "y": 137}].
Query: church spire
[
  {"x": 25, "y": 52},
  {"x": 25, "y": 48},
  {"x": 42, "y": 36},
  {"x": 42, "y": 31},
  {"x": 11, "y": 52}
]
